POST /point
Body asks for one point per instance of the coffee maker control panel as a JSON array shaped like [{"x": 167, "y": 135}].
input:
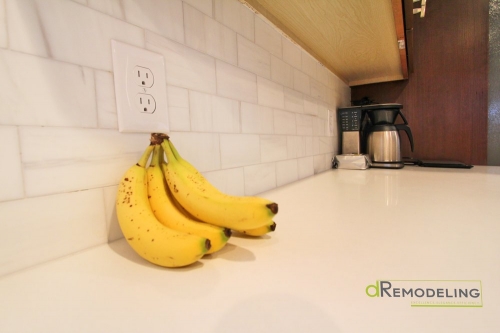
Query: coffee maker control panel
[{"x": 350, "y": 120}]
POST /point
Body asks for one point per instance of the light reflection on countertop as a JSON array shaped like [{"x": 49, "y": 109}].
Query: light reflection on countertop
[{"x": 337, "y": 233}]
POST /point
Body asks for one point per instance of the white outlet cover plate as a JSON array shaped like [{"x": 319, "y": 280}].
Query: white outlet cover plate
[{"x": 130, "y": 116}]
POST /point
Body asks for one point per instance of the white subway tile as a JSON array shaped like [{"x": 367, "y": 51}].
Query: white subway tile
[
  {"x": 292, "y": 53},
  {"x": 256, "y": 119},
  {"x": 48, "y": 227},
  {"x": 46, "y": 93},
  {"x": 236, "y": 16},
  {"x": 305, "y": 167},
  {"x": 273, "y": 148},
  {"x": 67, "y": 31},
  {"x": 210, "y": 113},
  {"x": 201, "y": 149},
  {"x": 286, "y": 172},
  {"x": 301, "y": 82},
  {"x": 236, "y": 83},
  {"x": 320, "y": 163},
  {"x": 319, "y": 126},
  {"x": 322, "y": 111},
  {"x": 177, "y": 97},
  {"x": 310, "y": 106},
  {"x": 229, "y": 181},
  {"x": 296, "y": 146},
  {"x": 162, "y": 17},
  {"x": 322, "y": 74},
  {"x": 253, "y": 58},
  {"x": 209, "y": 36},
  {"x": 331, "y": 80},
  {"x": 268, "y": 37},
  {"x": 270, "y": 93},
  {"x": 46, "y": 144},
  {"x": 335, "y": 82},
  {"x": 309, "y": 145},
  {"x": 334, "y": 98},
  {"x": 59, "y": 160},
  {"x": 239, "y": 150},
  {"x": 225, "y": 115},
  {"x": 315, "y": 145},
  {"x": 260, "y": 178},
  {"x": 200, "y": 111},
  {"x": 113, "y": 230},
  {"x": 3, "y": 26},
  {"x": 107, "y": 116},
  {"x": 11, "y": 176},
  {"x": 294, "y": 100},
  {"x": 318, "y": 90},
  {"x": 66, "y": 176},
  {"x": 281, "y": 72},
  {"x": 184, "y": 66},
  {"x": 221, "y": 41},
  {"x": 325, "y": 144},
  {"x": 309, "y": 64},
  {"x": 179, "y": 118},
  {"x": 110, "y": 7},
  {"x": 204, "y": 6},
  {"x": 304, "y": 124},
  {"x": 335, "y": 145},
  {"x": 284, "y": 122},
  {"x": 195, "y": 28}
]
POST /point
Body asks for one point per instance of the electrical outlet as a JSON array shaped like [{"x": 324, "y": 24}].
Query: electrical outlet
[
  {"x": 145, "y": 103},
  {"x": 145, "y": 77},
  {"x": 140, "y": 89}
]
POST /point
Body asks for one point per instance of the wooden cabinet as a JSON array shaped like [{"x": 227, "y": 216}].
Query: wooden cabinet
[
  {"x": 446, "y": 97},
  {"x": 361, "y": 41}
]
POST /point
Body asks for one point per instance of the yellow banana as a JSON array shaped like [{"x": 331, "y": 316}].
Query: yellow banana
[
  {"x": 200, "y": 199},
  {"x": 152, "y": 240},
  {"x": 163, "y": 206},
  {"x": 261, "y": 231}
]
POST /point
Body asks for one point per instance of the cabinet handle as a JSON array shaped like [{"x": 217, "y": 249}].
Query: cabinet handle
[{"x": 420, "y": 10}]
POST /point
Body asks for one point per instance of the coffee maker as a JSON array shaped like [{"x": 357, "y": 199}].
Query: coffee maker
[
  {"x": 349, "y": 125},
  {"x": 383, "y": 143}
]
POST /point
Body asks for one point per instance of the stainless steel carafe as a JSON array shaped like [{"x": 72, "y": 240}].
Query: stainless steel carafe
[{"x": 383, "y": 143}]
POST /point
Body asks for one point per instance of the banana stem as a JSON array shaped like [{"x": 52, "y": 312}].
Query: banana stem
[
  {"x": 145, "y": 157},
  {"x": 155, "y": 160},
  {"x": 168, "y": 151},
  {"x": 174, "y": 151}
]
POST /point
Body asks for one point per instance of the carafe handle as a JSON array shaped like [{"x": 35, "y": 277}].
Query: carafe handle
[
  {"x": 404, "y": 118},
  {"x": 408, "y": 132}
]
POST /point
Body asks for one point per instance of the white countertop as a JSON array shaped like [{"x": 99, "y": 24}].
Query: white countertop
[{"x": 337, "y": 233}]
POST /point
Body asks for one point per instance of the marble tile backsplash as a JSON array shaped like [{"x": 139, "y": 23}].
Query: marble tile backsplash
[{"x": 247, "y": 106}]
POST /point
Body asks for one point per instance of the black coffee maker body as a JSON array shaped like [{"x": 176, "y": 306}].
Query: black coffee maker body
[{"x": 381, "y": 133}]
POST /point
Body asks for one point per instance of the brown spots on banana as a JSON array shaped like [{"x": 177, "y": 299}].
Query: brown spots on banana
[{"x": 208, "y": 245}]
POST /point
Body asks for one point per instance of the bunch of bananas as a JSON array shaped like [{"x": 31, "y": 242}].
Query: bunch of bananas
[{"x": 171, "y": 215}]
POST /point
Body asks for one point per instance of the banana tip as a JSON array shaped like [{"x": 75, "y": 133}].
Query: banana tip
[
  {"x": 273, "y": 207},
  {"x": 272, "y": 227}
]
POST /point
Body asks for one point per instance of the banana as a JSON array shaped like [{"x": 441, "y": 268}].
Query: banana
[
  {"x": 163, "y": 206},
  {"x": 261, "y": 231},
  {"x": 149, "y": 238},
  {"x": 200, "y": 199}
]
